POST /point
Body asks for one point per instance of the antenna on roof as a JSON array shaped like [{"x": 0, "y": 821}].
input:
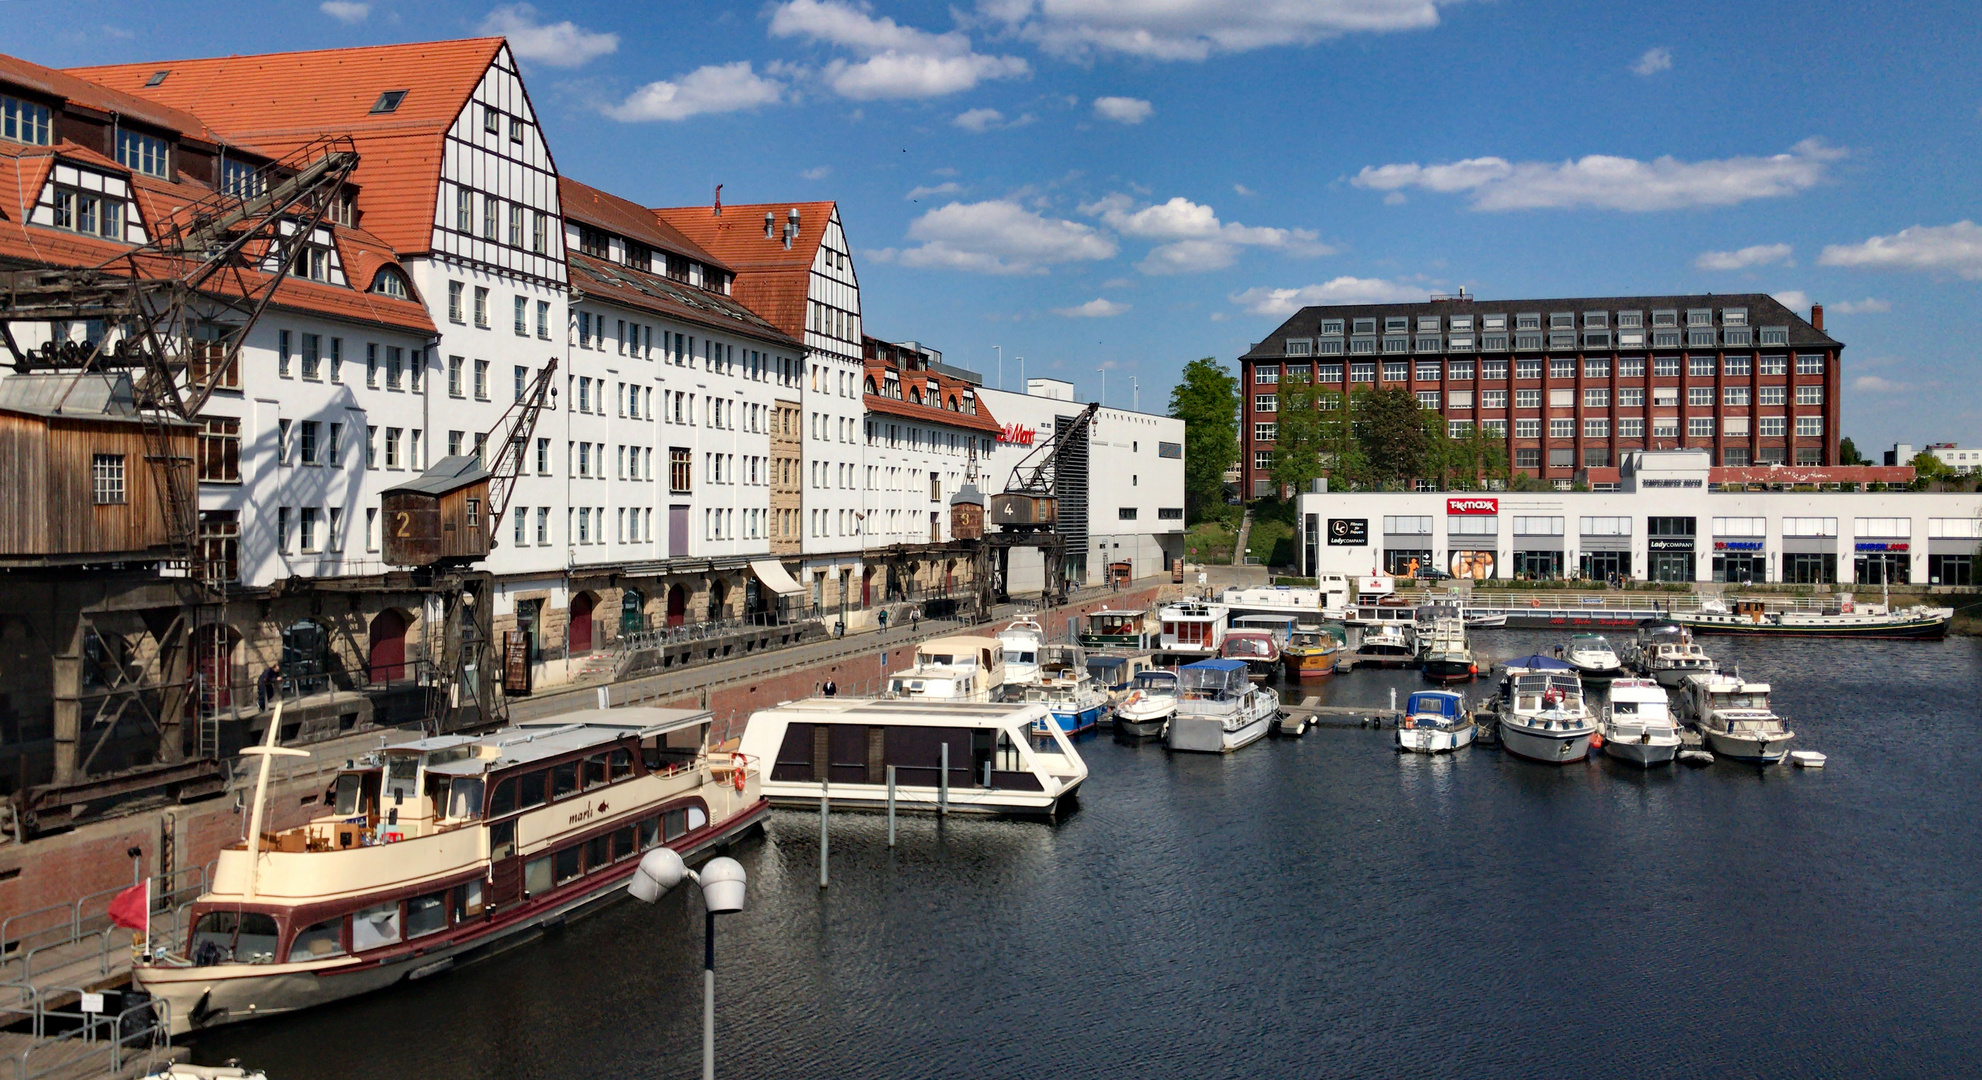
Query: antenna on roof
[{"x": 719, "y": 200}]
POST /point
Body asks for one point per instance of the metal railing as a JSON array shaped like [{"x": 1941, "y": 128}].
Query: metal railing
[
  {"x": 94, "y": 1044},
  {"x": 55, "y": 930}
]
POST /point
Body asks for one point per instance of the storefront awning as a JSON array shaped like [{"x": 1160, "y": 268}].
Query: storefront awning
[{"x": 772, "y": 573}]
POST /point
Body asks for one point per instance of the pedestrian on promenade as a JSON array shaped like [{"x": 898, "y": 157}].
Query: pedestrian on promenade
[
  {"x": 914, "y": 618},
  {"x": 265, "y": 687},
  {"x": 831, "y": 689},
  {"x": 884, "y": 618}
]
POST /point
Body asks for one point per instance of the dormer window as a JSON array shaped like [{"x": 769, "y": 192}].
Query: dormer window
[
  {"x": 89, "y": 213},
  {"x": 25, "y": 122},
  {"x": 143, "y": 153},
  {"x": 241, "y": 179},
  {"x": 389, "y": 101},
  {"x": 870, "y": 384},
  {"x": 390, "y": 283}
]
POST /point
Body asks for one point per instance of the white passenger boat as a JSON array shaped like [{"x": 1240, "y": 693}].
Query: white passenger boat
[
  {"x": 1021, "y": 639},
  {"x": 1542, "y": 714},
  {"x": 1151, "y": 702},
  {"x": 952, "y": 669},
  {"x": 842, "y": 748},
  {"x": 1667, "y": 653},
  {"x": 1735, "y": 717},
  {"x": 1386, "y": 644},
  {"x": 1637, "y": 724},
  {"x": 1592, "y": 657},
  {"x": 1219, "y": 709},
  {"x": 1192, "y": 629},
  {"x": 441, "y": 850},
  {"x": 1434, "y": 722}
]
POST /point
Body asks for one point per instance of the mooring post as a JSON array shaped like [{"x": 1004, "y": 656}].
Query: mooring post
[
  {"x": 825, "y": 808},
  {"x": 943, "y": 781},
  {"x": 891, "y": 806}
]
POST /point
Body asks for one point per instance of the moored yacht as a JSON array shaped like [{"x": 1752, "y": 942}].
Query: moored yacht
[
  {"x": 1445, "y": 653},
  {"x": 440, "y": 850},
  {"x": 1116, "y": 628},
  {"x": 1067, "y": 689},
  {"x": 1592, "y": 657},
  {"x": 1542, "y": 714},
  {"x": 952, "y": 669},
  {"x": 1765, "y": 618},
  {"x": 1667, "y": 653},
  {"x": 1219, "y": 709},
  {"x": 1151, "y": 702},
  {"x": 1435, "y": 721},
  {"x": 1192, "y": 629},
  {"x": 1312, "y": 651},
  {"x": 1637, "y": 724},
  {"x": 1256, "y": 649},
  {"x": 1386, "y": 644},
  {"x": 1735, "y": 717},
  {"x": 1021, "y": 639}
]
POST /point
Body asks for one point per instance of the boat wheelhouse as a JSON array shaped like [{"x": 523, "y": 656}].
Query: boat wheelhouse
[
  {"x": 1312, "y": 651},
  {"x": 842, "y": 748},
  {"x": 1445, "y": 654},
  {"x": 1256, "y": 649},
  {"x": 1736, "y": 718},
  {"x": 1219, "y": 709},
  {"x": 952, "y": 669},
  {"x": 1637, "y": 724},
  {"x": 1386, "y": 644},
  {"x": 1667, "y": 653},
  {"x": 1331, "y": 594},
  {"x": 1434, "y": 722},
  {"x": 437, "y": 851},
  {"x": 1592, "y": 656},
  {"x": 1117, "y": 629},
  {"x": 1067, "y": 690},
  {"x": 1021, "y": 639},
  {"x": 1115, "y": 673},
  {"x": 1192, "y": 628}
]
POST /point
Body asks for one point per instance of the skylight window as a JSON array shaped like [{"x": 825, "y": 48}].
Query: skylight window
[
  {"x": 389, "y": 101},
  {"x": 156, "y": 78}
]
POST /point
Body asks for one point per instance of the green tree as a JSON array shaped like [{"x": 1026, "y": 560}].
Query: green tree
[
  {"x": 1927, "y": 469},
  {"x": 1847, "y": 453},
  {"x": 1390, "y": 430},
  {"x": 1347, "y": 468},
  {"x": 1207, "y": 401},
  {"x": 1301, "y": 438},
  {"x": 1523, "y": 482}
]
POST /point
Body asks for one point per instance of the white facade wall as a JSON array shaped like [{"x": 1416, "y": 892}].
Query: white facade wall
[
  {"x": 833, "y": 411},
  {"x": 912, "y": 469}
]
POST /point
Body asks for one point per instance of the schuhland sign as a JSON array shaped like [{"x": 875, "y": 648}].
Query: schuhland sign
[{"x": 1472, "y": 506}]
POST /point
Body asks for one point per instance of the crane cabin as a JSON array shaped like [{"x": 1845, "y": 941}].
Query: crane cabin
[{"x": 442, "y": 516}]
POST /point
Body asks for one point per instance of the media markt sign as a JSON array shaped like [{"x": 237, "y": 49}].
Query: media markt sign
[
  {"x": 1016, "y": 435},
  {"x": 1472, "y": 506},
  {"x": 1348, "y": 532}
]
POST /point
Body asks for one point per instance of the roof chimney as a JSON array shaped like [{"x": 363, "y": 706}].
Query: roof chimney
[
  {"x": 719, "y": 200},
  {"x": 770, "y": 224},
  {"x": 1817, "y": 316}
]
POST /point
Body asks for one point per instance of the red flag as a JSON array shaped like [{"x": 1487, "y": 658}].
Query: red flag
[{"x": 130, "y": 908}]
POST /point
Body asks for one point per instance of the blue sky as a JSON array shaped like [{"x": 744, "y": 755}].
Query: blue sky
[{"x": 1130, "y": 184}]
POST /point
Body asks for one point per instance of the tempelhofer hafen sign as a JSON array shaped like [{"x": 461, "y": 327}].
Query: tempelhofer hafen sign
[
  {"x": 1472, "y": 506},
  {"x": 1348, "y": 532},
  {"x": 1016, "y": 435}
]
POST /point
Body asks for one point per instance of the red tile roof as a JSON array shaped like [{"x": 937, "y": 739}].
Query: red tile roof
[
  {"x": 1810, "y": 474},
  {"x": 773, "y": 280},
  {"x": 93, "y": 95},
  {"x": 948, "y": 388},
  {"x": 281, "y": 101},
  {"x": 624, "y": 217}
]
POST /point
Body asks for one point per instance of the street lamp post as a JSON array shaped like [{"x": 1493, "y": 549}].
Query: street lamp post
[
  {"x": 722, "y": 882},
  {"x": 1000, "y": 350}
]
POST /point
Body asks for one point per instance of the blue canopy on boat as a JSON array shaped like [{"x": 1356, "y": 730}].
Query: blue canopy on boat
[
  {"x": 1228, "y": 665},
  {"x": 1434, "y": 702},
  {"x": 1538, "y": 662}
]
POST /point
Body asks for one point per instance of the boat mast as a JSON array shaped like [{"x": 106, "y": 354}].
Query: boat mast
[{"x": 265, "y": 751}]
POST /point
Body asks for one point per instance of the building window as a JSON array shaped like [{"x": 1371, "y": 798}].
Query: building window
[
  {"x": 1126, "y": 513},
  {"x": 307, "y": 443},
  {"x": 1527, "y": 429},
  {"x": 1495, "y": 428},
  {"x": 143, "y": 153},
  {"x": 1264, "y": 432},
  {"x": 107, "y": 479},
  {"x": 1665, "y": 427},
  {"x": 1266, "y": 403},
  {"x": 1596, "y": 398},
  {"x": 1266, "y": 374},
  {"x": 1770, "y": 427},
  {"x": 1700, "y": 427},
  {"x": 1809, "y": 395},
  {"x": 1773, "y": 365},
  {"x": 1527, "y": 399},
  {"x": 25, "y": 121},
  {"x": 389, "y": 283},
  {"x": 1527, "y": 457},
  {"x": 1596, "y": 427},
  {"x": 89, "y": 213},
  {"x": 455, "y": 367},
  {"x": 681, "y": 470},
  {"x": 1665, "y": 366},
  {"x": 481, "y": 380},
  {"x": 454, "y": 293},
  {"x": 1562, "y": 428},
  {"x": 1700, "y": 397},
  {"x": 482, "y": 307},
  {"x": 1631, "y": 397},
  {"x": 1262, "y": 460},
  {"x": 1809, "y": 364},
  {"x": 1734, "y": 395},
  {"x": 1631, "y": 428},
  {"x": 521, "y": 311},
  {"x": 1427, "y": 399},
  {"x": 1809, "y": 427},
  {"x": 1493, "y": 399}
]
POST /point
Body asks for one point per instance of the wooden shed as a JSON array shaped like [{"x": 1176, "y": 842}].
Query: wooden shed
[
  {"x": 78, "y": 481},
  {"x": 440, "y": 517}
]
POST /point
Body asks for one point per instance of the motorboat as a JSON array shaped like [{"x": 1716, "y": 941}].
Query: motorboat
[
  {"x": 1479, "y": 618},
  {"x": 1386, "y": 644},
  {"x": 1637, "y": 724},
  {"x": 1257, "y": 649},
  {"x": 1192, "y": 629},
  {"x": 1435, "y": 721},
  {"x": 1067, "y": 689},
  {"x": 1542, "y": 714},
  {"x": 1667, "y": 653},
  {"x": 952, "y": 669},
  {"x": 1151, "y": 701},
  {"x": 1735, "y": 717},
  {"x": 1312, "y": 651},
  {"x": 440, "y": 851},
  {"x": 1021, "y": 639},
  {"x": 1763, "y": 618},
  {"x": 1219, "y": 709},
  {"x": 1114, "y": 673},
  {"x": 1445, "y": 654},
  {"x": 1117, "y": 628},
  {"x": 1592, "y": 657},
  {"x": 842, "y": 748}
]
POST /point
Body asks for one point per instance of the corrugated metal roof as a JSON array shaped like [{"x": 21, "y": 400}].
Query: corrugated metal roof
[{"x": 448, "y": 474}]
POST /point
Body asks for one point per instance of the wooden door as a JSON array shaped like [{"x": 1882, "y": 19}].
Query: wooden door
[
  {"x": 388, "y": 647},
  {"x": 581, "y": 624}
]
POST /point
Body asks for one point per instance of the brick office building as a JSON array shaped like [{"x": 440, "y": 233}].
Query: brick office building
[{"x": 1571, "y": 385}]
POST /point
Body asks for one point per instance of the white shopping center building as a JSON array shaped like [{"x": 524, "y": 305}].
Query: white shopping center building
[{"x": 1666, "y": 522}]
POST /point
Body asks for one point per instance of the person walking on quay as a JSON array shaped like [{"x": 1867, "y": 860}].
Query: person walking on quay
[
  {"x": 265, "y": 687},
  {"x": 914, "y": 618},
  {"x": 883, "y": 617}
]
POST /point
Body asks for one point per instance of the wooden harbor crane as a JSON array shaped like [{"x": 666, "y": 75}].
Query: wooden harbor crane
[{"x": 1027, "y": 511}]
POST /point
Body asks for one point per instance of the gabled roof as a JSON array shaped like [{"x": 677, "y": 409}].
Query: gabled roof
[
  {"x": 278, "y": 102},
  {"x": 83, "y": 395},
  {"x": 102, "y": 98},
  {"x": 588, "y": 205},
  {"x": 773, "y": 280},
  {"x": 613, "y": 283},
  {"x": 448, "y": 474}
]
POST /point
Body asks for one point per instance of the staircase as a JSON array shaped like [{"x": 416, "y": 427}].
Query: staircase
[{"x": 1245, "y": 537}]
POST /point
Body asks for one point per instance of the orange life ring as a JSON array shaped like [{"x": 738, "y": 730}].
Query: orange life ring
[{"x": 737, "y": 763}]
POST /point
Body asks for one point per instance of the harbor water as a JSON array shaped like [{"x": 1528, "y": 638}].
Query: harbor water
[{"x": 1315, "y": 908}]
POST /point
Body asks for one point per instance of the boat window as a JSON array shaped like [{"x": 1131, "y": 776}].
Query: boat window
[
  {"x": 502, "y": 840},
  {"x": 676, "y": 822},
  {"x": 213, "y": 938},
  {"x": 621, "y": 763},
  {"x": 1624, "y": 708},
  {"x": 467, "y": 901},
  {"x": 375, "y": 926},
  {"x": 595, "y": 770},
  {"x": 348, "y": 787},
  {"x": 402, "y": 771},
  {"x": 650, "y": 833},
  {"x": 1008, "y": 759},
  {"x": 503, "y": 799},
  {"x": 598, "y": 852},
  {"x": 564, "y": 779},
  {"x": 426, "y": 914},
  {"x": 257, "y": 940},
  {"x": 622, "y": 844},
  {"x": 530, "y": 790},
  {"x": 568, "y": 864},
  {"x": 696, "y": 818},
  {"x": 319, "y": 941},
  {"x": 1023, "y": 657},
  {"x": 464, "y": 797},
  {"x": 537, "y": 876}
]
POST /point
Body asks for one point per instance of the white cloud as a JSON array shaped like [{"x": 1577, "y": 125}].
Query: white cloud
[
  {"x": 979, "y": 120},
  {"x": 818, "y": 173},
  {"x": 345, "y": 11},
  {"x": 1395, "y": 198},
  {"x": 1341, "y": 290},
  {"x": 896, "y": 61},
  {"x": 1243, "y": 190},
  {"x": 948, "y": 187},
  {"x": 1753, "y": 255},
  {"x": 564, "y": 44},
  {"x": 1656, "y": 59},
  {"x": 1096, "y": 308},
  {"x": 1955, "y": 248},
  {"x": 998, "y": 236},
  {"x": 716, "y": 88},
  {"x": 1193, "y": 240},
  {"x": 1793, "y": 299},
  {"x": 1123, "y": 110},
  {"x": 1868, "y": 306},
  {"x": 1872, "y": 384},
  {"x": 1195, "y": 29},
  {"x": 1612, "y": 183}
]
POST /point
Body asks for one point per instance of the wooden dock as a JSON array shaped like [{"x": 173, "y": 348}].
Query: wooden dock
[{"x": 1342, "y": 716}]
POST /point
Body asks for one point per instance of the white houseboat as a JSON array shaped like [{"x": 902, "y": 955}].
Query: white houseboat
[
  {"x": 952, "y": 669},
  {"x": 1192, "y": 629},
  {"x": 1637, "y": 724},
  {"x": 1735, "y": 717},
  {"x": 842, "y": 748}
]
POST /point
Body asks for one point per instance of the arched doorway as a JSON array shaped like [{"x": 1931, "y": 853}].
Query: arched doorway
[
  {"x": 386, "y": 660},
  {"x": 580, "y": 634},
  {"x": 632, "y": 613},
  {"x": 677, "y": 605},
  {"x": 214, "y": 650},
  {"x": 718, "y": 599}
]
